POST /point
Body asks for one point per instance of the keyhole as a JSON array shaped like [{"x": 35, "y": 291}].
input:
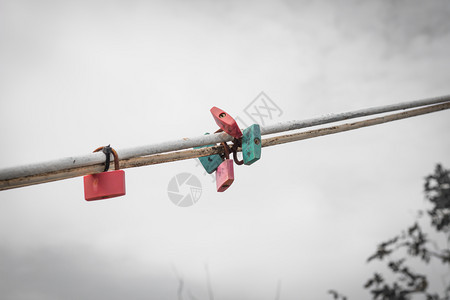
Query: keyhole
[
  {"x": 209, "y": 159},
  {"x": 256, "y": 141},
  {"x": 222, "y": 115}
]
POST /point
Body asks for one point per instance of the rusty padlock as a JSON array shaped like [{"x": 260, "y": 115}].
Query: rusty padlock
[
  {"x": 210, "y": 163},
  {"x": 106, "y": 184},
  {"x": 225, "y": 172},
  {"x": 226, "y": 122}
]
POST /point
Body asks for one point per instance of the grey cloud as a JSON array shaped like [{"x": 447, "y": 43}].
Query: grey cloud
[
  {"x": 78, "y": 272},
  {"x": 397, "y": 23}
]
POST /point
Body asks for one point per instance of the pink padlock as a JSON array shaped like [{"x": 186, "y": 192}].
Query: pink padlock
[
  {"x": 225, "y": 172},
  {"x": 224, "y": 175}
]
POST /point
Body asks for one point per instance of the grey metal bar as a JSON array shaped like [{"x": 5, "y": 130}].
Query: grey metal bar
[{"x": 185, "y": 143}]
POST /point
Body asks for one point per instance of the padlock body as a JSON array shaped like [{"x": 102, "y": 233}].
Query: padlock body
[
  {"x": 104, "y": 185},
  {"x": 224, "y": 175},
  {"x": 210, "y": 163},
  {"x": 251, "y": 144},
  {"x": 226, "y": 122}
]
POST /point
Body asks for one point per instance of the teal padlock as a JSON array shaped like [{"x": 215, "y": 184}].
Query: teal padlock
[
  {"x": 251, "y": 144},
  {"x": 210, "y": 163}
]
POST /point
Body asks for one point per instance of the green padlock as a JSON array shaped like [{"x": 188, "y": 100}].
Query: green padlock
[
  {"x": 210, "y": 163},
  {"x": 251, "y": 144}
]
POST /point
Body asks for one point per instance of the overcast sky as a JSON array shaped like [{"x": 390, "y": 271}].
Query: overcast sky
[{"x": 82, "y": 74}]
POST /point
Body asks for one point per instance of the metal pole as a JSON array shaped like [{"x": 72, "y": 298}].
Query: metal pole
[
  {"x": 185, "y": 143},
  {"x": 292, "y": 125},
  {"x": 193, "y": 153}
]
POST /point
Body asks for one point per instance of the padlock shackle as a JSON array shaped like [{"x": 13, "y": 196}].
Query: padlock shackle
[
  {"x": 116, "y": 159},
  {"x": 114, "y": 153},
  {"x": 236, "y": 144},
  {"x": 226, "y": 149}
]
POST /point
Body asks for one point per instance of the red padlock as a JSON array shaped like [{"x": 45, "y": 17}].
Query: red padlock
[
  {"x": 106, "y": 184},
  {"x": 226, "y": 122},
  {"x": 225, "y": 172}
]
